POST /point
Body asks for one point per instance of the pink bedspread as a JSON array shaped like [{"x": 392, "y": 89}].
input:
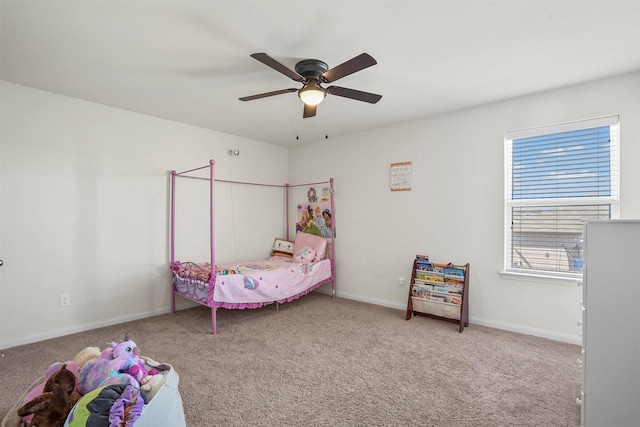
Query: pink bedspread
[{"x": 256, "y": 282}]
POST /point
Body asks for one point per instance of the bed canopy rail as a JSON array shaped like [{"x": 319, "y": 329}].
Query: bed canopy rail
[{"x": 212, "y": 181}]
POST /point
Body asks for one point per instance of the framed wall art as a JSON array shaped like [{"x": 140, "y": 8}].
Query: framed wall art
[{"x": 401, "y": 176}]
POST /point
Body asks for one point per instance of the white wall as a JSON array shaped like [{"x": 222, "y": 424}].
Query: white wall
[
  {"x": 455, "y": 210},
  {"x": 84, "y": 190},
  {"x": 84, "y": 210}
]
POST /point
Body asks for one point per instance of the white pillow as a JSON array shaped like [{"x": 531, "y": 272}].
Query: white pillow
[{"x": 304, "y": 255}]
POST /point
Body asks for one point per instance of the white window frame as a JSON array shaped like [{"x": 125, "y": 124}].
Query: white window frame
[{"x": 566, "y": 278}]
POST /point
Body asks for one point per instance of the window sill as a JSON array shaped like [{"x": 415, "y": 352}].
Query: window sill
[{"x": 569, "y": 279}]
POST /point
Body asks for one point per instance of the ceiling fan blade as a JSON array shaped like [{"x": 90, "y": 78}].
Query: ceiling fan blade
[
  {"x": 353, "y": 65},
  {"x": 371, "y": 98},
  {"x": 266, "y": 94},
  {"x": 270, "y": 62},
  {"x": 309, "y": 111}
]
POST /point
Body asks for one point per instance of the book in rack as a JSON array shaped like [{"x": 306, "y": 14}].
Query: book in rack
[{"x": 439, "y": 291}]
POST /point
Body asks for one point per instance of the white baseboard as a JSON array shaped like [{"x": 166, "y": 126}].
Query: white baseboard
[
  {"x": 525, "y": 330},
  {"x": 87, "y": 327},
  {"x": 368, "y": 300}
]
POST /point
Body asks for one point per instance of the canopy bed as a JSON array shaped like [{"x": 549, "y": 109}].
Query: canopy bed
[{"x": 285, "y": 276}]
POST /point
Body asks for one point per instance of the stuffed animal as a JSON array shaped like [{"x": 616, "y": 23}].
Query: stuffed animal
[
  {"x": 151, "y": 384},
  {"x": 52, "y": 369},
  {"x": 155, "y": 377},
  {"x": 51, "y": 407},
  {"x": 139, "y": 371},
  {"x": 111, "y": 367},
  {"x": 85, "y": 355}
]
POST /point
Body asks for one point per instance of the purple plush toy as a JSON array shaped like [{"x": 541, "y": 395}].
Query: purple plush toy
[{"x": 111, "y": 367}]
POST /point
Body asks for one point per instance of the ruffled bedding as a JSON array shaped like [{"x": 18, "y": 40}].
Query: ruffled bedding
[{"x": 249, "y": 284}]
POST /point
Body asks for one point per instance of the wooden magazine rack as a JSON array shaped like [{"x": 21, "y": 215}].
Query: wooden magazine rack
[{"x": 439, "y": 291}]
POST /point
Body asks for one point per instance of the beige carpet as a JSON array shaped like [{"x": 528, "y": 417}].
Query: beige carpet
[{"x": 322, "y": 361}]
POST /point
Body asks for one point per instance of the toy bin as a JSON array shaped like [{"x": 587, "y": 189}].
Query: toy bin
[{"x": 164, "y": 409}]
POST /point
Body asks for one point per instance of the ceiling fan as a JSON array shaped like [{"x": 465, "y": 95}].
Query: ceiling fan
[{"x": 312, "y": 73}]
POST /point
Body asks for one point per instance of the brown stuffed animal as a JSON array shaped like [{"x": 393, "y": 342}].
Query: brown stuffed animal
[{"x": 50, "y": 409}]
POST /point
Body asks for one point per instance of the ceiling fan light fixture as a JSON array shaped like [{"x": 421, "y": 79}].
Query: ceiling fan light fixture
[{"x": 312, "y": 93}]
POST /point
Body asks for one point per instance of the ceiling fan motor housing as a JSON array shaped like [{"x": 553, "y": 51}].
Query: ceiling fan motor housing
[{"x": 311, "y": 69}]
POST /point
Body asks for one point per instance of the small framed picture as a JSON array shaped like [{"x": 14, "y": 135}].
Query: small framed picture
[{"x": 401, "y": 176}]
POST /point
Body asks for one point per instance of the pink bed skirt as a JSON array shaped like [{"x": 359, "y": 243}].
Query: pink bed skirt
[{"x": 191, "y": 281}]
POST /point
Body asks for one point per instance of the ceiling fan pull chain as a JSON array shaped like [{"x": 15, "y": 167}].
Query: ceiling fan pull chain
[
  {"x": 297, "y": 104},
  {"x": 326, "y": 119}
]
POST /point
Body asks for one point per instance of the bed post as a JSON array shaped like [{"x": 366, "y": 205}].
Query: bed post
[
  {"x": 173, "y": 215},
  {"x": 286, "y": 211},
  {"x": 173, "y": 233},
  {"x": 333, "y": 240},
  {"x": 212, "y": 225}
]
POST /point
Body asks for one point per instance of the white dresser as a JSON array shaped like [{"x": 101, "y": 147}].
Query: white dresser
[{"x": 611, "y": 324}]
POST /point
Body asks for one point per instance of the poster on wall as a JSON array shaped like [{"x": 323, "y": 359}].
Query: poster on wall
[
  {"x": 401, "y": 176},
  {"x": 314, "y": 215}
]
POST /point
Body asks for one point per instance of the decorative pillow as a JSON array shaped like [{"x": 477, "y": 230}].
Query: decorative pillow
[
  {"x": 317, "y": 243},
  {"x": 305, "y": 255}
]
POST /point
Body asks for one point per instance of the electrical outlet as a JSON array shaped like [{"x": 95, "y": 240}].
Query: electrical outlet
[
  {"x": 65, "y": 300},
  {"x": 400, "y": 281}
]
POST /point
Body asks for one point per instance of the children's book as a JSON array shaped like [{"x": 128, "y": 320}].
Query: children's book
[
  {"x": 419, "y": 291},
  {"x": 454, "y": 271}
]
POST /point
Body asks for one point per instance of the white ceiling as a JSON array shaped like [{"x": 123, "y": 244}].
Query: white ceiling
[{"x": 189, "y": 61}]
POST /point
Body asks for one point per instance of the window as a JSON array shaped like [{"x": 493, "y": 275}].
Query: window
[{"x": 557, "y": 177}]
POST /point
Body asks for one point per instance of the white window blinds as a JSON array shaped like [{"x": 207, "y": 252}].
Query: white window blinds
[{"x": 557, "y": 177}]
